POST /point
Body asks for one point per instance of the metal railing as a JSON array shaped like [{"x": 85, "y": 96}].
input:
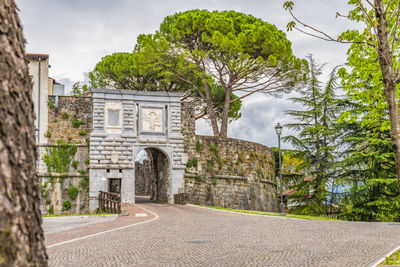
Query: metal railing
[{"x": 109, "y": 202}]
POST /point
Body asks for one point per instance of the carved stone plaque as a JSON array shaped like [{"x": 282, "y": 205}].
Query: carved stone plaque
[
  {"x": 152, "y": 120},
  {"x": 114, "y": 157}
]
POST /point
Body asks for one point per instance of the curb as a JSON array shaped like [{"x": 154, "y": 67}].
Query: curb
[
  {"x": 107, "y": 231},
  {"x": 384, "y": 257}
]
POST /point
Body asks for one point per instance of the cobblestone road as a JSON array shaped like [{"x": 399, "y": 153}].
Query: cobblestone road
[{"x": 192, "y": 236}]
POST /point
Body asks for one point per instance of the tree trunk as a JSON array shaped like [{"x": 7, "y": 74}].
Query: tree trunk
[
  {"x": 225, "y": 114},
  {"x": 210, "y": 109},
  {"x": 386, "y": 64},
  {"x": 21, "y": 235}
]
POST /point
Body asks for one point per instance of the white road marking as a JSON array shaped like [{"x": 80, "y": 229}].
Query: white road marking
[{"x": 108, "y": 231}]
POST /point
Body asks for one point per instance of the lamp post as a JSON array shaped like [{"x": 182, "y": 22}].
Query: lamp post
[
  {"x": 278, "y": 129},
  {"x": 37, "y": 149}
]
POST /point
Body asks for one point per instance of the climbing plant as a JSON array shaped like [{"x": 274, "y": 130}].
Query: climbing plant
[{"x": 59, "y": 157}]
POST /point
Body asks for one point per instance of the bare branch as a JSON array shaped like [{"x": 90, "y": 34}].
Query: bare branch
[
  {"x": 393, "y": 31},
  {"x": 372, "y": 5},
  {"x": 312, "y": 28},
  {"x": 365, "y": 12}
]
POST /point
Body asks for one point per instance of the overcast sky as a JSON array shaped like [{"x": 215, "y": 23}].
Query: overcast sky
[{"x": 77, "y": 34}]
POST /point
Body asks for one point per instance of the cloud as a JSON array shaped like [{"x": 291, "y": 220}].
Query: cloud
[{"x": 77, "y": 34}]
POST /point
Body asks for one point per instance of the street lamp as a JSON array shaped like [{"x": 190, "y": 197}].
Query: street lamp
[
  {"x": 278, "y": 129},
  {"x": 37, "y": 148}
]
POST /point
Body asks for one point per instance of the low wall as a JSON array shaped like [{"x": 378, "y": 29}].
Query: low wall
[
  {"x": 66, "y": 193},
  {"x": 230, "y": 173}
]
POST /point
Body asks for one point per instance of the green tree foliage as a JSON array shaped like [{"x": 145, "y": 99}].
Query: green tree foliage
[
  {"x": 237, "y": 52},
  {"x": 367, "y": 165},
  {"x": 374, "y": 73},
  {"x": 373, "y": 115},
  {"x": 316, "y": 140},
  {"x": 79, "y": 90},
  {"x": 145, "y": 69},
  {"x": 293, "y": 168},
  {"x": 217, "y": 58}
]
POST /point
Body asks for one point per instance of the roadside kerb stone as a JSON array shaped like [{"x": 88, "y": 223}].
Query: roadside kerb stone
[{"x": 127, "y": 218}]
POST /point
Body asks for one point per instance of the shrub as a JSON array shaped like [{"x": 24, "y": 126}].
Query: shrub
[
  {"x": 84, "y": 183},
  {"x": 213, "y": 148},
  {"x": 75, "y": 164},
  {"x": 240, "y": 158},
  {"x": 82, "y": 133},
  {"x": 65, "y": 115},
  {"x": 192, "y": 163},
  {"x": 76, "y": 123},
  {"x": 199, "y": 147},
  {"x": 59, "y": 157},
  {"x": 73, "y": 192},
  {"x": 50, "y": 104},
  {"x": 66, "y": 205},
  {"x": 51, "y": 210},
  {"x": 47, "y": 134}
]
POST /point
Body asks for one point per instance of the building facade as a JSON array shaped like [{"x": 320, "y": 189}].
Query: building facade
[
  {"x": 39, "y": 73},
  {"x": 124, "y": 123}
]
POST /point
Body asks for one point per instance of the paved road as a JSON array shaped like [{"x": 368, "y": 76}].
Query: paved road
[
  {"x": 62, "y": 223},
  {"x": 192, "y": 236}
]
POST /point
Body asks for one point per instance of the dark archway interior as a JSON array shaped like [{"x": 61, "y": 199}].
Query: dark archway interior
[{"x": 152, "y": 174}]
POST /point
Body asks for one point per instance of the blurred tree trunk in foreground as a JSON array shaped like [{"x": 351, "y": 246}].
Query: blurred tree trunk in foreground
[{"x": 21, "y": 235}]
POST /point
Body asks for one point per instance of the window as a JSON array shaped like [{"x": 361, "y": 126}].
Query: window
[{"x": 113, "y": 118}]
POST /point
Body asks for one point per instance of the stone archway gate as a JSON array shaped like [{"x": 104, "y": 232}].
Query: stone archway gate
[{"x": 124, "y": 122}]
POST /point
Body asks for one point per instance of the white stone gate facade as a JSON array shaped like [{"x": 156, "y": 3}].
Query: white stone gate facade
[{"x": 124, "y": 122}]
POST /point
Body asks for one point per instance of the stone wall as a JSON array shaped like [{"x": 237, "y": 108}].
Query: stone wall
[
  {"x": 70, "y": 119},
  {"x": 219, "y": 172},
  {"x": 230, "y": 173},
  {"x": 66, "y": 193},
  {"x": 143, "y": 183}
]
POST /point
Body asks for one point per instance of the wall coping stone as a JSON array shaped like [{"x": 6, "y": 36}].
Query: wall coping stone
[{"x": 135, "y": 92}]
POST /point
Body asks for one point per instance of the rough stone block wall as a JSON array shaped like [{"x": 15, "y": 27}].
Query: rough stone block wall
[
  {"x": 220, "y": 172},
  {"x": 55, "y": 187},
  {"x": 70, "y": 119},
  {"x": 55, "y": 191},
  {"x": 228, "y": 172},
  {"x": 143, "y": 182}
]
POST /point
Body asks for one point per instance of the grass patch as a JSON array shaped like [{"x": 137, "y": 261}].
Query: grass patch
[
  {"x": 70, "y": 215},
  {"x": 305, "y": 217},
  {"x": 393, "y": 259}
]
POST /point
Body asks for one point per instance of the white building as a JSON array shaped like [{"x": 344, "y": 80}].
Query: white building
[
  {"x": 39, "y": 72},
  {"x": 43, "y": 86}
]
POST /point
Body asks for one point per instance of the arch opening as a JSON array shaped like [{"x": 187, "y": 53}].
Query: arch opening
[{"x": 152, "y": 174}]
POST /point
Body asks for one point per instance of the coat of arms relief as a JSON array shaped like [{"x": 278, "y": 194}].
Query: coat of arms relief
[{"x": 152, "y": 120}]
